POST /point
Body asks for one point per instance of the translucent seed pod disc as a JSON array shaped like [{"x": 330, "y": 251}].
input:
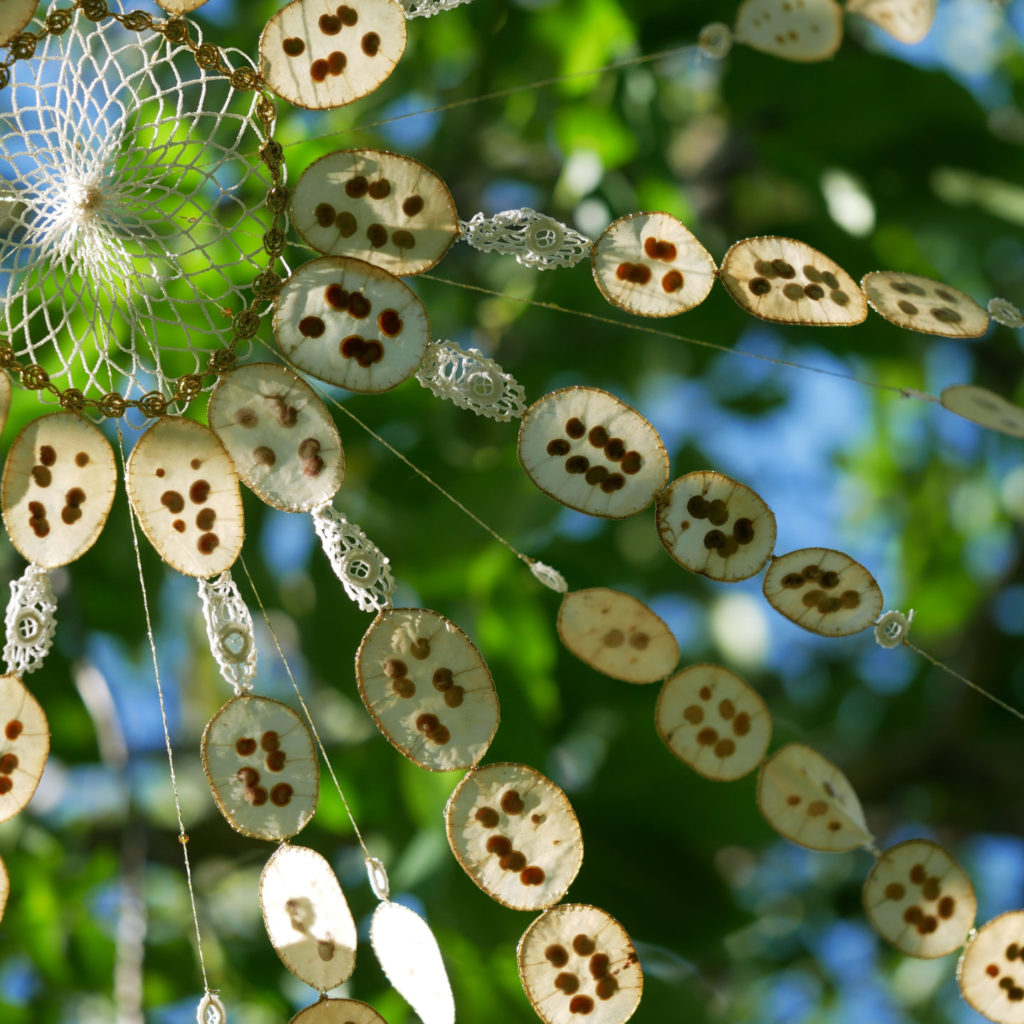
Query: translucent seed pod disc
[
  {"x": 427, "y": 688},
  {"x": 515, "y": 834},
  {"x": 618, "y": 635},
  {"x": 806, "y": 31},
  {"x": 180, "y": 6},
  {"x": 576, "y": 962},
  {"x": 5, "y": 398},
  {"x": 317, "y": 54},
  {"x": 716, "y": 526},
  {"x": 652, "y": 265},
  {"x": 713, "y": 721},
  {"x": 923, "y": 305},
  {"x": 386, "y": 209},
  {"x": 984, "y": 407},
  {"x": 307, "y": 917},
  {"x": 279, "y": 435},
  {"x": 907, "y": 21},
  {"x": 789, "y": 282},
  {"x": 991, "y": 969},
  {"x": 259, "y": 760},
  {"x": 592, "y": 452},
  {"x": 351, "y": 324},
  {"x": 58, "y": 485},
  {"x": 338, "y": 1011},
  {"x": 410, "y": 958},
  {"x": 24, "y": 745},
  {"x": 919, "y": 899},
  {"x": 823, "y": 591},
  {"x": 807, "y": 799},
  {"x": 5, "y": 888},
  {"x": 183, "y": 487},
  {"x": 14, "y": 16}
]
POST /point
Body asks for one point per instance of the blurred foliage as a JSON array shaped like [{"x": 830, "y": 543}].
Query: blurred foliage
[{"x": 732, "y": 924}]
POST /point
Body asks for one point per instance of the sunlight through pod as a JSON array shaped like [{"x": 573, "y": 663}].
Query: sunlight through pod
[
  {"x": 14, "y": 16},
  {"x": 386, "y": 209},
  {"x": 920, "y": 304},
  {"x": 279, "y": 434},
  {"x": 515, "y": 834},
  {"x": 823, "y": 591},
  {"x": 411, "y": 960},
  {"x": 307, "y": 917},
  {"x": 338, "y": 1011},
  {"x": 652, "y": 265},
  {"x": 427, "y": 688},
  {"x": 317, "y": 54},
  {"x": 919, "y": 899},
  {"x": 259, "y": 760},
  {"x": 58, "y": 485},
  {"x": 907, "y": 21},
  {"x": 351, "y": 324},
  {"x": 789, "y": 282},
  {"x": 991, "y": 969},
  {"x": 984, "y": 407},
  {"x": 592, "y": 452},
  {"x": 576, "y": 962},
  {"x": 807, "y": 799},
  {"x": 618, "y": 635},
  {"x": 183, "y": 487},
  {"x": 5, "y": 398},
  {"x": 716, "y": 526},
  {"x": 5, "y": 887},
  {"x": 180, "y": 6},
  {"x": 24, "y": 745},
  {"x": 800, "y": 30},
  {"x": 713, "y": 721}
]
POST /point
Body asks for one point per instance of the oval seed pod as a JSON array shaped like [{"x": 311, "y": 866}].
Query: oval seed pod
[
  {"x": 923, "y": 305},
  {"x": 576, "y": 962},
  {"x": 515, "y": 834},
  {"x": 713, "y": 721},
  {"x": 427, "y": 688},
  {"x": 307, "y": 917},
  {"x": 919, "y": 899},
  {"x": 410, "y": 958},
  {"x": 991, "y": 969},
  {"x": 351, "y": 324},
  {"x": 317, "y": 54},
  {"x": 24, "y": 745},
  {"x": 589, "y": 450},
  {"x": 807, "y": 799},
  {"x": 618, "y": 635},
  {"x": 211, "y": 1010},
  {"x": 183, "y": 487},
  {"x": 984, "y": 407},
  {"x": 383, "y": 208},
  {"x": 259, "y": 760},
  {"x": 823, "y": 591},
  {"x": 180, "y": 6},
  {"x": 5, "y": 888},
  {"x": 338, "y": 1011},
  {"x": 279, "y": 435},
  {"x": 58, "y": 485},
  {"x": 716, "y": 526},
  {"x": 907, "y": 21},
  {"x": 5, "y": 398},
  {"x": 652, "y": 265},
  {"x": 789, "y": 282},
  {"x": 810, "y": 30},
  {"x": 14, "y": 16}
]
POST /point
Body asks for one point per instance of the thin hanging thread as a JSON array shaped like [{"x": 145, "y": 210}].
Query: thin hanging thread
[
  {"x": 967, "y": 682},
  {"x": 182, "y": 834},
  {"x": 305, "y": 707},
  {"x": 643, "y": 328},
  {"x": 498, "y": 94}
]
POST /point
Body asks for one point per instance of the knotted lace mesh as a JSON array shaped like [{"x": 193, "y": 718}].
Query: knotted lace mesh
[{"x": 131, "y": 227}]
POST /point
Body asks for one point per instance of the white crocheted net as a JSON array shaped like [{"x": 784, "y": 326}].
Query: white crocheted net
[
  {"x": 536, "y": 240},
  {"x": 30, "y": 622},
  {"x": 358, "y": 562},
  {"x": 471, "y": 381},
  {"x": 130, "y": 224},
  {"x": 229, "y": 630},
  {"x": 428, "y": 8}
]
